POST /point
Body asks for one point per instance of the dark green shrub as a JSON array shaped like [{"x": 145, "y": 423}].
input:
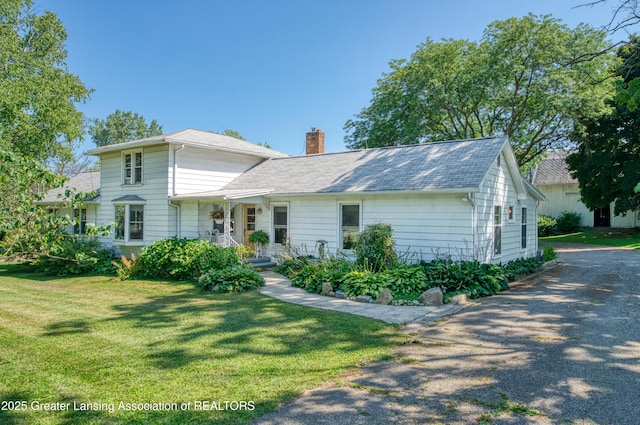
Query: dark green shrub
[
  {"x": 236, "y": 278},
  {"x": 546, "y": 225},
  {"x": 313, "y": 275},
  {"x": 184, "y": 259},
  {"x": 76, "y": 255},
  {"x": 549, "y": 253},
  {"x": 405, "y": 281},
  {"x": 375, "y": 249},
  {"x": 465, "y": 277},
  {"x": 521, "y": 267},
  {"x": 366, "y": 282},
  {"x": 568, "y": 222}
]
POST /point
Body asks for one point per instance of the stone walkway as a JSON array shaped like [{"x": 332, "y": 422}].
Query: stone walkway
[{"x": 413, "y": 317}]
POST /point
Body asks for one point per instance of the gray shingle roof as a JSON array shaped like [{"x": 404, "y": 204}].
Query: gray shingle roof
[
  {"x": 198, "y": 138},
  {"x": 83, "y": 182},
  {"x": 553, "y": 170},
  {"x": 438, "y": 166}
]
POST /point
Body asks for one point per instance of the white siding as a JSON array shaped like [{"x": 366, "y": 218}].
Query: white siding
[
  {"x": 189, "y": 220},
  {"x": 566, "y": 197},
  {"x": 427, "y": 225},
  {"x": 200, "y": 170},
  {"x": 159, "y": 217},
  {"x": 92, "y": 210},
  {"x": 498, "y": 189}
]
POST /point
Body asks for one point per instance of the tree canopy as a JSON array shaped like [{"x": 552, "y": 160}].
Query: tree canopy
[
  {"x": 38, "y": 115},
  {"x": 607, "y": 161},
  {"x": 39, "y": 124},
  {"x": 121, "y": 127},
  {"x": 521, "y": 80}
]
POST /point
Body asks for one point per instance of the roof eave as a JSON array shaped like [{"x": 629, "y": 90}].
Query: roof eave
[{"x": 444, "y": 191}]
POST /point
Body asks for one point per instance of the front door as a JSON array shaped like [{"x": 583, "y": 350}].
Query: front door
[
  {"x": 602, "y": 217},
  {"x": 249, "y": 221}
]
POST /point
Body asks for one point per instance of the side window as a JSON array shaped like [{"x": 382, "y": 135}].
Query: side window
[
  {"x": 349, "y": 225},
  {"x": 523, "y": 232},
  {"x": 80, "y": 216},
  {"x": 497, "y": 230}
]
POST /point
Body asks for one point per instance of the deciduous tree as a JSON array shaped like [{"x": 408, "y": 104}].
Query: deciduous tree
[
  {"x": 520, "y": 80},
  {"x": 607, "y": 161},
  {"x": 38, "y": 115},
  {"x": 121, "y": 127}
]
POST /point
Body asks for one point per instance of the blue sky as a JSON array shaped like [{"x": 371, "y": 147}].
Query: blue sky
[{"x": 268, "y": 69}]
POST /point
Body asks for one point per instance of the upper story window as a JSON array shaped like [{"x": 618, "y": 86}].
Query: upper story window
[{"x": 132, "y": 167}]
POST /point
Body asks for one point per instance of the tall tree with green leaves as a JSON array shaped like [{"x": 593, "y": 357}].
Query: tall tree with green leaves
[
  {"x": 38, "y": 114},
  {"x": 121, "y": 127},
  {"x": 521, "y": 80},
  {"x": 607, "y": 161},
  {"x": 39, "y": 124}
]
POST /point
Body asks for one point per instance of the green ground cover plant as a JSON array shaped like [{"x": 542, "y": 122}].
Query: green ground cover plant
[
  {"x": 93, "y": 339},
  {"x": 629, "y": 238}
]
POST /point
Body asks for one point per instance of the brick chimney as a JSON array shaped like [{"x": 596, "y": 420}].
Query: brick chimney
[{"x": 315, "y": 141}]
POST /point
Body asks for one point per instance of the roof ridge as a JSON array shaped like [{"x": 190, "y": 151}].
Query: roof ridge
[{"x": 439, "y": 142}]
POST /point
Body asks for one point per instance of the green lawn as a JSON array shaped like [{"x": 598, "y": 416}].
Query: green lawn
[
  {"x": 98, "y": 341},
  {"x": 629, "y": 238}
]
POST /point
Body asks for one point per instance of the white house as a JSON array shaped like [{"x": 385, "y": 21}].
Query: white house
[
  {"x": 88, "y": 182},
  {"x": 552, "y": 178},
  {"x": 462, "y": 198}
]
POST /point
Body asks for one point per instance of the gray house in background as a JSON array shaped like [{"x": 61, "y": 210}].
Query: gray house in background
[{"x": 552, "y": 178}]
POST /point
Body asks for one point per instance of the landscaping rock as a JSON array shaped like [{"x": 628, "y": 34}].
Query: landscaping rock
[
  {"x": 341, "y": 294},
  {"x": 459, "y": 299},
  {"x": 364, "y": 299},
  {"x": 384, "y": 297},
  {"x": 431, "y": 296},
  {"x": 326, "y": 289}
]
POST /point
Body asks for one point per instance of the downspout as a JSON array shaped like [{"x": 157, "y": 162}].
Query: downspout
[
  {"x": 474, "y": 223},
  {"x": 173, "y": 190}
]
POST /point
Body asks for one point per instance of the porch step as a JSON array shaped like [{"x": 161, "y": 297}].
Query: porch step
[{"x": 261, "y": 263}]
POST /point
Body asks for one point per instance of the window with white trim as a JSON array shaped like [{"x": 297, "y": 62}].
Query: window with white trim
[
  {"x": 129, "y": 219},
  {"x": 511, "y": 211},
  {"x": 132, "y": 167},
  {"x": 280, "y": 216},
  {"x": 497, "y": 230},
  {"x": 523, "y": 231},
  {"x": 349, "y": 225},
  {"x": 80, "y": 221}
]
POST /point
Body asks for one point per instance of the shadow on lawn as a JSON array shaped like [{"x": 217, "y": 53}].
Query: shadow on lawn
[{"x": 228, "y": 325}]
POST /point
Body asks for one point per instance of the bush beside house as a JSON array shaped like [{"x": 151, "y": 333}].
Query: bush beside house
[
  {"x": 209, "y": 266},
  {"x": 367, "y": 275},
  {"x": 567, "y": 222}
]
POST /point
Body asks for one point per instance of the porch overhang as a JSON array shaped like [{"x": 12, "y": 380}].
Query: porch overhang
[{"x": 224, "y": 195}]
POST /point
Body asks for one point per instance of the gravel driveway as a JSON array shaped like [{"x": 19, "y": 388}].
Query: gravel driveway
[{"x": 564, "y": 348}]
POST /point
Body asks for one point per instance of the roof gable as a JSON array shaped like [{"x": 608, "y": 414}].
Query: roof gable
[
  {"x": 553, "y": 170},
  {"x": 197, "y": 138},
  {"x": 86, "y": 182},
  {"x": 449, "y": 166}
]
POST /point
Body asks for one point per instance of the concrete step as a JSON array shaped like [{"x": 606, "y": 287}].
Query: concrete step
[{"x": 261, "y": 263}]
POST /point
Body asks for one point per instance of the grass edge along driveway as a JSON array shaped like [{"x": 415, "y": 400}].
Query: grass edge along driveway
[
  {"x": 610, "y": 236},
  {"x": 92, "y": 343}
]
